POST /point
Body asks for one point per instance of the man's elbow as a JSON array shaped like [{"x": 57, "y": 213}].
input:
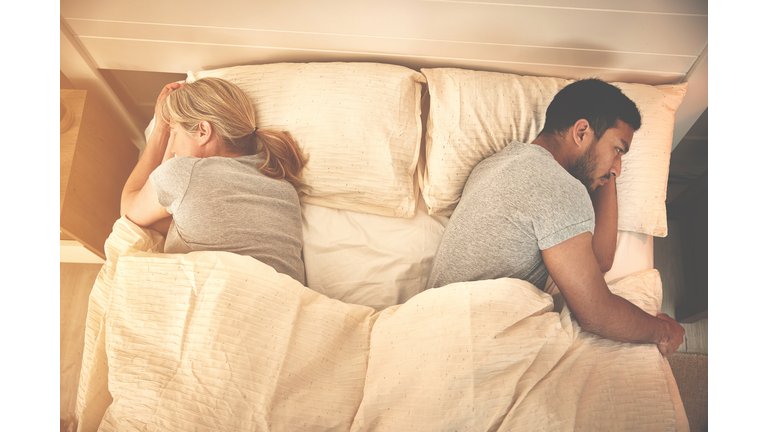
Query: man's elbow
[
  {"x": 606, "y": 266},
  {"x": 605, "y": 263},
  {"x": 591, "y": 324}
]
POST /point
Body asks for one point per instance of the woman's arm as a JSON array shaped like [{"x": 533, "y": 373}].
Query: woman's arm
[
  {"x": 139, "y": 201},
  {"x": 162, "y": 226},
  {"x": 606, "y": 224}
]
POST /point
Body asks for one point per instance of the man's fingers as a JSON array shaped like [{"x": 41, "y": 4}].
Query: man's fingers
[{"x": 664, "y": 350}]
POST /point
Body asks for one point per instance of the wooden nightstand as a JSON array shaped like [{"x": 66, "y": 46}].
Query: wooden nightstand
[{"x": 96, "y": 160}]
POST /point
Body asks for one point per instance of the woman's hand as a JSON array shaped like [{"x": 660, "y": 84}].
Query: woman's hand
[{"x": 164, "y": 93}]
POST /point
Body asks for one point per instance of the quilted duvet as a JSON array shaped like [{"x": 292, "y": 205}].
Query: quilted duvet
[{"x": 213, "y": 341}]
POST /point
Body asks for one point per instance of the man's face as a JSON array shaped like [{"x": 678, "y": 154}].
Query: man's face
[{"x": 602, "y": 159}]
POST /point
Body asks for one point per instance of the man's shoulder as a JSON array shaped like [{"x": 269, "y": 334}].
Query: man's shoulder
[
  {"x": 521, "y": 162},
  {"x": 530, "y": 170},
  {"x": 519, "y": 153}
]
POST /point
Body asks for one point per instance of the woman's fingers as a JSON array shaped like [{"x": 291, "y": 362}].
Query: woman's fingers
[{"x": 164, "y": 93}]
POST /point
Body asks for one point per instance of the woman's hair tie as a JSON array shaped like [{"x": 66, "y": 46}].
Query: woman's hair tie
[{"x": 255, "y": 129}]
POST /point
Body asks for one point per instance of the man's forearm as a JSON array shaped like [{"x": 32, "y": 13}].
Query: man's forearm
[
  {"x": 618, "y": 319},
  {"x": 624, "y": 322},
  {"x": 613, "y": 317},
  {"x": 605, "y": 204},
  {"x": 574, "y": 269}
]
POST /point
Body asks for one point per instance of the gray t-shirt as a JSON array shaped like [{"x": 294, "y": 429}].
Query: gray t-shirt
[
  {"x": 515, "y": 204},
  {"x": 227, "y": 204}
]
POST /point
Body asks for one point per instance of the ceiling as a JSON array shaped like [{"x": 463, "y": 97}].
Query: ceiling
[
  {"x": 651, "y": 42},
  {"x": 131, "y": 49}
]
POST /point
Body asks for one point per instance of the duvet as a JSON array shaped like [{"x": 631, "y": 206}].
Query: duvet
[{"x": 216, "y": 341}]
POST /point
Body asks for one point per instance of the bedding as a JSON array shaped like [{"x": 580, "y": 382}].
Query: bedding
[
  {"x": 221, "y": 341},
  {"x": 474, "y": 114},
  {"x": 366, "y": 259},
  {"x": 217, "y": 341}
]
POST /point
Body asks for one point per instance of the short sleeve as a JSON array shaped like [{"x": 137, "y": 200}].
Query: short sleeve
[
  {"x": 567, "y": 232},
  {"x": 566, "y": 211},
  {"x": 171, "y": 180}
]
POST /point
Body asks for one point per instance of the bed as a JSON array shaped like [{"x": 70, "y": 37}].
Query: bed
[{"x": 217, "y": 341}]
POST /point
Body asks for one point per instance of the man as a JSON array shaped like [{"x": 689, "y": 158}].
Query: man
[{"x": 548, "y": 208}]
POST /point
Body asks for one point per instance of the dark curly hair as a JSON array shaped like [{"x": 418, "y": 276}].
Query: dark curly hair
[{"x": 594, "y": 100}]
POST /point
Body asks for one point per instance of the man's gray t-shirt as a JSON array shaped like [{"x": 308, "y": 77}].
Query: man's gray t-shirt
[
  {"x": 515, "y": 204},
  {"x": 227, "y": 204}
]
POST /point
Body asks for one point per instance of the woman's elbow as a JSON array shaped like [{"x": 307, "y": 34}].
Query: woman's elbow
[
  {"x": 129, "y": 209},
  {"x": 125, "y": 204}
]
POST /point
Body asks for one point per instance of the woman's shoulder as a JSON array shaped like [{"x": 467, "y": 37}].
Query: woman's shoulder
[
  {"x": 175, "y": 166},
  {"x": 249, "y": 163},
  {"x": 243, "y": 170}
]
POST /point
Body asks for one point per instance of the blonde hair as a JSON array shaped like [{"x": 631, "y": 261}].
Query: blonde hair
[{"x": 232, "y": 117}]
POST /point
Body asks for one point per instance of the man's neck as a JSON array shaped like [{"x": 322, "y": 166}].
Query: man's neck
[{"x": 554, "y": 145}]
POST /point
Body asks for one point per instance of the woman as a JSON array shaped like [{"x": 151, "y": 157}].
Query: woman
[{"x": 230, "y": 186}]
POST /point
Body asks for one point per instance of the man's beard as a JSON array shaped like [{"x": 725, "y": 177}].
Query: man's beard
[{"x": 584, "y": 168}]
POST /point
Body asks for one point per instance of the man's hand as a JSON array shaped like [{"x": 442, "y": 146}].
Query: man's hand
[
  {"x": 574, "y": 269},
  {"x": 675, "y": 334}
]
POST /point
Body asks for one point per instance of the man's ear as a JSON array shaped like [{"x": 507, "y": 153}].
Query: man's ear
[
  {"x": 582, "y": 133},
  {"x": 204, "y": 133}
]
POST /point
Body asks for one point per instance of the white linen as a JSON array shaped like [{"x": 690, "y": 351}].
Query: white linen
[
  {"x": 495, "y": 354},
  {"x": 220, "y": 341},
  {"x": 366, "y": 259},
  {"x": 634, "y": 253}
]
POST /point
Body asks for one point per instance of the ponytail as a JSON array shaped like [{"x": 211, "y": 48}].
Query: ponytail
[
  {"x": 232, "y": 116},
  {"x": 283, "y": 158}
]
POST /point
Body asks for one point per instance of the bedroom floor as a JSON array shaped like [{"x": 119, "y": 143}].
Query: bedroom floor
[{"x": 76, "y": 281}]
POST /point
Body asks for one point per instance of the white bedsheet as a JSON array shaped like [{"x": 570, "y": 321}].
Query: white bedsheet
[
  {"x": 380, "y": 261},
  {"x": 366, "y": 259},
  {"x": 220, "y": 341}
]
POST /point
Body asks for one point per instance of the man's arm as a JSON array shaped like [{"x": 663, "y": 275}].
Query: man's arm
[
  {"x": 574, "y": 269},
  {"x": 606, "y": 224}
]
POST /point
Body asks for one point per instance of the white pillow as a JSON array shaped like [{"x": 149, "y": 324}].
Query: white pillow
[
  {"x": 474, "y": 114},
  {"x": 359, "y": 123}
]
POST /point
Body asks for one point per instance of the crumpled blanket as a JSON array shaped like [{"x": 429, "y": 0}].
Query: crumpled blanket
[{"x": 218, "y": 341}]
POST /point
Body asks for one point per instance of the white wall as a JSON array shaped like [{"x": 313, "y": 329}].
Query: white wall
[{"x": 652, "y": 42}]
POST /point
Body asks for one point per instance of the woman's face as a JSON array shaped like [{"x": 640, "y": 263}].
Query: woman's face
[{"x": 182, "y": 144}]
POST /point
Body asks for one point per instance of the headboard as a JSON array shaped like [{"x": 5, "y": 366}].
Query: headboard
[{"x": 625, "y": 41}]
